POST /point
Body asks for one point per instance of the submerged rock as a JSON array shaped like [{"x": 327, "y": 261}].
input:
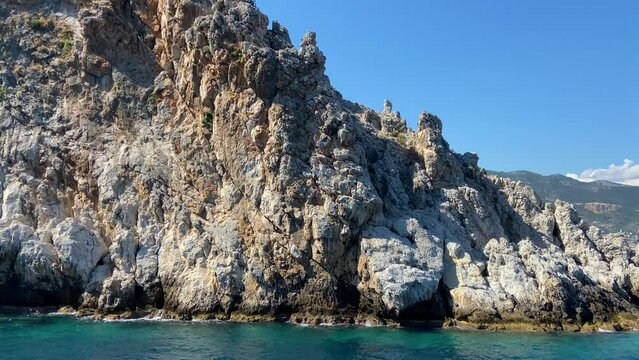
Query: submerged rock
[{"x": 185, "y": 156}]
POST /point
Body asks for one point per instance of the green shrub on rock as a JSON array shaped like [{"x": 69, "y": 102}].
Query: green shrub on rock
[
  {"x": 207, "y": 121},
  {"x": 67, "y": 46},
  {"x": 40, "y": 24},
  {"x": 237, "y": 55}
]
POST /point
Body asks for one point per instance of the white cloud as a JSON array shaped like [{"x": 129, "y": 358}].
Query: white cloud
[{"x": 628, "y": 174}]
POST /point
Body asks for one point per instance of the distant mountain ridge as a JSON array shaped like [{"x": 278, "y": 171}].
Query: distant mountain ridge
[{"x": 611, "y": 206}]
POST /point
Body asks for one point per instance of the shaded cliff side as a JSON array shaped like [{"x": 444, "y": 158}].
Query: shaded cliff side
[{"x": 185, "y": 156}]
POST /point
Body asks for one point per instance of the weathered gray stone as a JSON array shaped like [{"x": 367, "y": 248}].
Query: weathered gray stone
[{"x": 79, "y": 249}]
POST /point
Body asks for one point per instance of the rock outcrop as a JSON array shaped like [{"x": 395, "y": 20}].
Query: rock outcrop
[{"x": 185, "y": 156}]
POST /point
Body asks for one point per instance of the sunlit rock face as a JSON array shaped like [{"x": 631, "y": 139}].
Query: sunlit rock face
[{"x": 187, "y": 156}]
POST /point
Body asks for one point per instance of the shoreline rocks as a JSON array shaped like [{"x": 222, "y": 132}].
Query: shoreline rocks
[{"x": 622, "y": 324}]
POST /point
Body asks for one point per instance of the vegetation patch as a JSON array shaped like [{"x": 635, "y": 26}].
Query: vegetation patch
[
  {"x": 41, "y": 24},
  {"x": 207, "y": 120},
  {"x": 3, "y": 93},
  {"x": 237, "y": 55},
  {"x": 152, "y": 99},
  {"x": 67, "y": 46},
  {"x": 65, "y": 42},
  {"x": 400, "y": 137},
  {"x": 476, "y": 172}
]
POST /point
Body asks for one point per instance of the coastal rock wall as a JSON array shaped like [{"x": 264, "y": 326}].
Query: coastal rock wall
[{"x": 186, "y": 156}]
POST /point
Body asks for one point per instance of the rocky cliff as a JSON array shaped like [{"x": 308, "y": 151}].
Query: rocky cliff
[
  {"x": 186, "y": 156},
  {"x": 609, "y": 206}
]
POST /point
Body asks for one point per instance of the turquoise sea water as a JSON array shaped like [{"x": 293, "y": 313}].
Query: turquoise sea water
[{"x": 54, "y": 337}]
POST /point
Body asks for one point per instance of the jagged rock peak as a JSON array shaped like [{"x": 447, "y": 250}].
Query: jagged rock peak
[
  {"x": 388, "y": 106},
  {"x": 429, "y": 121}
]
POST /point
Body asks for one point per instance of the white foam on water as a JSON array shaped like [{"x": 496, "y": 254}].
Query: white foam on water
[
  {"x": 62, "y": 314},
  {"x": 605, "y": 331},
  {"x": 142, "y": 319}
]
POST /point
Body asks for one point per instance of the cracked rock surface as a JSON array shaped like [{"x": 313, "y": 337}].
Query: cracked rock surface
[{"x": 186, "y": 156}]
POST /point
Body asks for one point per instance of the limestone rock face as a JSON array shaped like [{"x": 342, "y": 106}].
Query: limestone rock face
[{"x": 185, "y": 155}]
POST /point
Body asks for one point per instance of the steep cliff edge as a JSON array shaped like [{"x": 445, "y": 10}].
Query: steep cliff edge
[{"x": 185, "y": 156}]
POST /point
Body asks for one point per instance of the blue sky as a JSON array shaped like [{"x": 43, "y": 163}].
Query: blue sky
[{"x": 543, "y": 85}]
